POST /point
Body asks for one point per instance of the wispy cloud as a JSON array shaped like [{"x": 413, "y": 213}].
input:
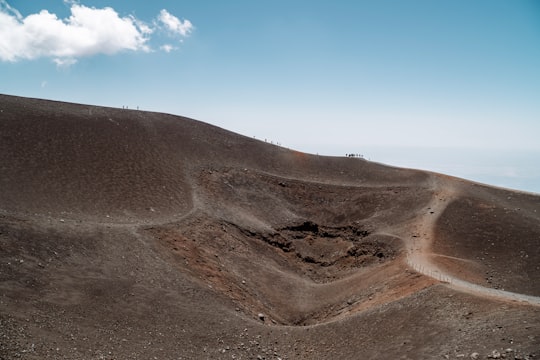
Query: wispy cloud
[
  {"x": 167, "y": 48},
  {"x": 88, "y": 31},
  {"x": 175, "y": 25},
  {"x": 65, "y": 62}
]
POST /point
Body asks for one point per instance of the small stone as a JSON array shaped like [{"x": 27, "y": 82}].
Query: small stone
[
  {"x": 495, "y": 355},
  {"x": 261, "y": 316},
  {"x": 474, "y": 355}
]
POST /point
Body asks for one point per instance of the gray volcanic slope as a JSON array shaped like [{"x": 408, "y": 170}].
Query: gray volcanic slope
[{"x": 136, "y": 235}]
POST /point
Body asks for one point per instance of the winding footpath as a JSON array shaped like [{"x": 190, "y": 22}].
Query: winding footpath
[{"x": 419, "y": 249}]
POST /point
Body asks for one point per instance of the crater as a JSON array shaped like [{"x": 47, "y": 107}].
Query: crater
[{"x": 295, "y": 274}]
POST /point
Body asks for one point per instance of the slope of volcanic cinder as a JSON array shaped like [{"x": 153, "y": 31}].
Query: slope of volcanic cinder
[
  {"x": 492, "y": 237},
  {"x": 128, "y": 234},
  {"x": 82, "y": 162},
  {"x": 72, "y": 160}
]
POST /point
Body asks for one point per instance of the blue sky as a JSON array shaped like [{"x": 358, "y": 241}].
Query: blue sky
[{"x": 382, "y": 78}]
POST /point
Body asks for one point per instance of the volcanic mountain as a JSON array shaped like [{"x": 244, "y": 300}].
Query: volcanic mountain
[{"x": 128, "y": 234}]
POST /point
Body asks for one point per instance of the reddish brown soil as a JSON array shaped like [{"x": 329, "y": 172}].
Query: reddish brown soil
[{"x": 134, "y": 235}]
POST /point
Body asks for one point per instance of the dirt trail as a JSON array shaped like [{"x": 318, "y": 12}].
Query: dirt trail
[{"x": 419, "y": 247}]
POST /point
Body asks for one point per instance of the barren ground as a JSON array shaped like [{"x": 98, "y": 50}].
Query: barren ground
[{"x": 134, "y": 235}]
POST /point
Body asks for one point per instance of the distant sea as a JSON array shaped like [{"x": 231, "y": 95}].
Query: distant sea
[{"x": 514, "y": 169}]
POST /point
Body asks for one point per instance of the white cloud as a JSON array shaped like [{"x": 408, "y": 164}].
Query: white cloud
[
  {"x": 64, "y": 62},
  {"x": 175, "y": 25},
  {"x": 5, "y": 8},
  {"x": 144, "y": 28},
  {"x": 88, "y": 31},
  {"x": 167, "y": 48}
]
